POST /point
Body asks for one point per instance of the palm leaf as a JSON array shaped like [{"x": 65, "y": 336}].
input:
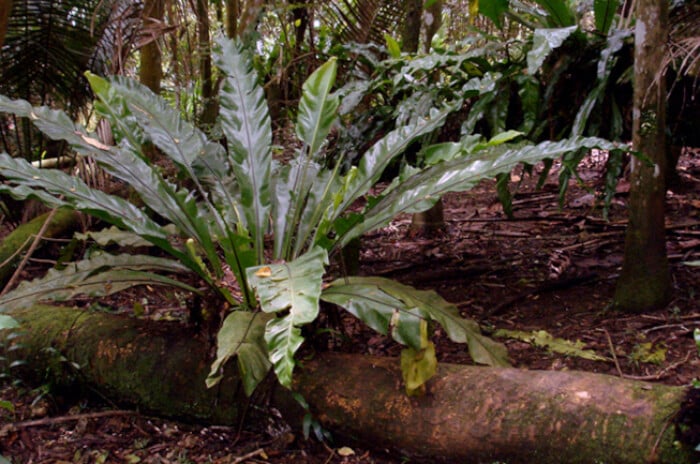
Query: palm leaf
[{"x": 363, "y": 21}]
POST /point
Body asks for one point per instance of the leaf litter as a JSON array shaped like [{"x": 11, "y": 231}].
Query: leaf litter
[{"x": 541, "y": 281}]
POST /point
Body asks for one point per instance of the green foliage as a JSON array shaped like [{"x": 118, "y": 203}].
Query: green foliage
[
  {"x": 7, "y": 322},
  {"x": 216, "y": 214},
  {"x": 292, "y": 289}
]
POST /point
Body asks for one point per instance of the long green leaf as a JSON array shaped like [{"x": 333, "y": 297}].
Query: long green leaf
[
  {"x": 607, "y": 60},
  {"x": 242, "y": 335},
  {"x": 482, "y": 349},
  {"x": 246, "y": 123},
  {"x": 295, "y": 288},
  {"x": 317, "y": 108},
  {"x": 289, "y": 199},
  {"x": 133, "y": 107},
  {"x": 176, "y": 206},
  {"x": 318, "y": 206},
  {"x": 373, "y": 163},
  {"x": 25, "y": 179},
  {"x": 316, "y": 114},
  {"x": 97, "y": 276},
  {"x": 605, "y": 11},
  {"x": 378, "y": 309},
  {"x": 560, "y": 14},
  {"x": 422, "y": 190}
]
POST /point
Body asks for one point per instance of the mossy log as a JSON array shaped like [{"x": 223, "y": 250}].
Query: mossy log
[
  {"x": 469, "y": 415},
  {"x": 63, "y": 222}
]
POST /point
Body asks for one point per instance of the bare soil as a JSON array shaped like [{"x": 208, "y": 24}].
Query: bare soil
[{"x": 548, "y": 273}]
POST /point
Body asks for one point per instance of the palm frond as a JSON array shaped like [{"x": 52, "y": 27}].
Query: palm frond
[{"x": 363, "y": 21}]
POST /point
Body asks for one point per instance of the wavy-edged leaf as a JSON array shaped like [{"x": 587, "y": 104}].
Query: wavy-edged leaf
[
  {"x": 116, "y": 236},
  {"x": 422, "y": 190},
  {"x": 378, "y": 157},
  {"x": 246, "y": 123},
  {"x": 135, "y": 109},
  {"x": 27, "y": 180},
  {"x": 318, "y": 107},
  {"x": 242, "y": 335},
  {"x": 381, "y": 311},
  {"x": 544, "y": 42},
  {"x": 482, "y": 349},
  {"x": 295, "y": 288},
  {"x": 100, "y": 275}
]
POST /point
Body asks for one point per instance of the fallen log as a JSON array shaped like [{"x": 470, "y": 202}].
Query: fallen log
[{"x": 470, "y": 414}]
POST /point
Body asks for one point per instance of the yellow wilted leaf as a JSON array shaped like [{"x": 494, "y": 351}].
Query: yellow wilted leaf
[{"x": 345, "y": 451}]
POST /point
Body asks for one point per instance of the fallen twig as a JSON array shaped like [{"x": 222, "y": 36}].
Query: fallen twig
[
  {"x": 62, "y": 419},
  {"x": 252, "y": 454},
  {"x": 30, "y": 251}
]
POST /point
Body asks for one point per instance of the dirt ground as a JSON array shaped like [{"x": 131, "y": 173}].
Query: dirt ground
[{"x": 541, "y": 282}]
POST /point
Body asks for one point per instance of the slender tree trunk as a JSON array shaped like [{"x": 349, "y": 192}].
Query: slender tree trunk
[
  {"x": 645, "y": 281},
  {"x": 431, "y": 222},
  {"x": 233, "y": 11},
  {"x": 410, "y": 34},
  {"x": 5, "y": 10},
  {"x": 469, "y": 415},
  {"x": 151, "y": 68},
  {"x": 209, "y": 107},
  {"x": 433, "y": 22}
]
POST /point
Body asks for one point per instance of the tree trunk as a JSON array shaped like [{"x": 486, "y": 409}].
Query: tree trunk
[
  {"x": 410, "y": 34},
  {"x": 5, "y": 10},
  {"x": 233, "y": 11},
  {"x": 470, "y": 414},
  {"x": 645, "y": 281},
  {"x": 151, "y": 68},
  {"x": 431, "y": 222},
  {"x": 207, "y": 117},
  {"x": 428, "y": 223}
]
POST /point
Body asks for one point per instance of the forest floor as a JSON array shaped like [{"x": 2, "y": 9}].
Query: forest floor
[{"x": 541, "y": 283}]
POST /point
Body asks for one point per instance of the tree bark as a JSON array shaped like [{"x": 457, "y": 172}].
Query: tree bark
[
  {"x": 210, "y": 110},
  {"x": 151, "y": 68},
  {"x": 5, "y": 10},
  {"x": 470, "y": 414},
  {"x": 410, "y": 34},
  {"x": 431, "y": 222},
  {"x": 645, "y": 281},
  {"x": 233, "y": 11}
]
